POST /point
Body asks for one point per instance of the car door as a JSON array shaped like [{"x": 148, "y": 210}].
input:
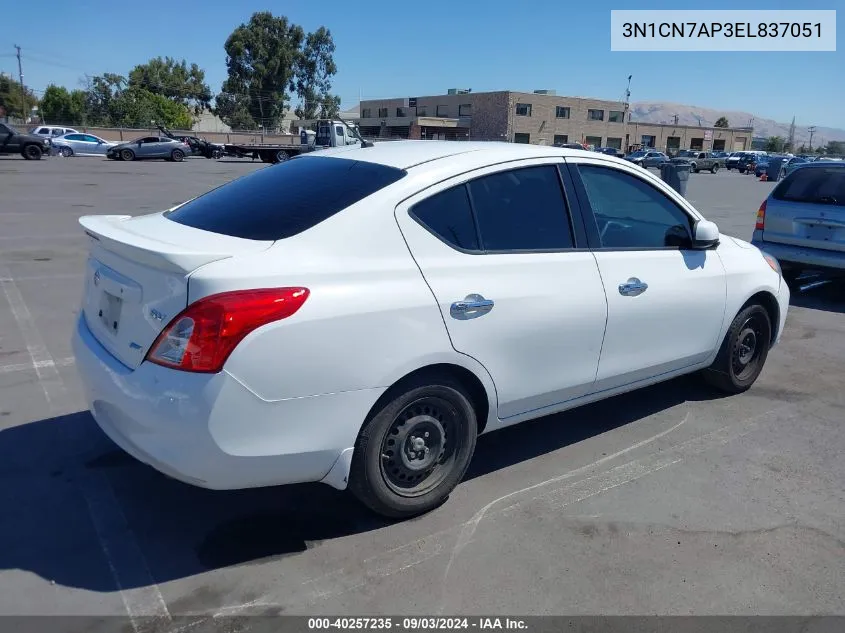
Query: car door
[
  {"x": 8, "y": 140},
  {"x": 516, "y": 289},
  {"x": 665, "y": 300},
  {"x": 97, "y": 146}
]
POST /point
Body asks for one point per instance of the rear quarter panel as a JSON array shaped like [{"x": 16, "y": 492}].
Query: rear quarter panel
[{"x": 369, "y": 320}]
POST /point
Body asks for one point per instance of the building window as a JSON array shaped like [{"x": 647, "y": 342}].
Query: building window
[
  {"x": 382, "y": 112},
  {"x": 465, "y": 109},
  {"x": 560, "y": 139},
  {"x": 442, "y": 110},
  {"x": 595, "y": 141},
  {"x": 595, "y": 115},
  {"x": 421, "y": 111},
  {"x": 615, "y": 143},
  {"x": 521, "y": 137},
  {"x": 523, "y": 109},
  {"x": 366, "y": 113},
  {"x": 616, "y": 116},
  {"x": 400, "y": 112},
  {"x": 561, "y": 112}
]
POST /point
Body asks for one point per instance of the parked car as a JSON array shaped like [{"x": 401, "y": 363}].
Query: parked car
[
  {"x": 698, "y": 161},
  {"x": 748, "y": 160},
  {"x": 569, "y": 145},
  {"x": 77, "y": 144},
  {"x": 198, "y": 146},
  {"x": 29, "y": 146},
  {"x": 150, "y": 147},
  {"x": 801, "y": 222},
  {"x": 792, "y": 164},
  {"x": 761, "y": 165},
  {"x": 232, "y": 342},
  {"x": 51, "y": 131},
  {"x": 611, "y": 151},
  {"x": 732, "y": 162},
  {"x": 647, "y": 158}
]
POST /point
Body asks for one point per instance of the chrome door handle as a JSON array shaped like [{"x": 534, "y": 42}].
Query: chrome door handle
[
  {"x": 633, "y": 287},
  {"x": 472, "y": 306}
]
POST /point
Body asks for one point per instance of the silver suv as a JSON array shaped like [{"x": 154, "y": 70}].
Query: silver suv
[
  {"x": 52, "y": 131},
  {"x": 802, "y": 222}
]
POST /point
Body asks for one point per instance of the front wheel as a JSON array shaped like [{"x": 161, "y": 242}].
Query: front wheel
[
  {"x": 177, "y": 155},
  {"x": 32, "y": 152},
  {"x": 743, "y": 352},
  {"x": 714, "y": 169},
  {"x": 414, "y": 449},
  {"x": 66, "y": 152},
  {"x": 127, "y": 154}
]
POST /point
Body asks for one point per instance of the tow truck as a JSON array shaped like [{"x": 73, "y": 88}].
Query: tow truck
[{"x": 330, "y": 133}]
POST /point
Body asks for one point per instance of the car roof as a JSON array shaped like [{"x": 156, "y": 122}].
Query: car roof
[{"x": 408, "y": 154}]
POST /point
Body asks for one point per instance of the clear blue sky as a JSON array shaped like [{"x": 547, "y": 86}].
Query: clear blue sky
[{"x": 387, "y": 49}]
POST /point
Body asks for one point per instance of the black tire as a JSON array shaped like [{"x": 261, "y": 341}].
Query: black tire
[
  {"x": 714, "y": 169},
  {"x": 177, "y": 155},
  {"x": 32, "y": 152},
  {"x": 743, "y": 352},
  {"x": 127, "y": 154},
  {"x": 693, "y": 169},
  {"x": 66, "y": 152},
  {"x": 396, "y": 471},
  {"x": 281, "y": 156}
]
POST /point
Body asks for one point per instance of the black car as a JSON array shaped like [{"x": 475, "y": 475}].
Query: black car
[
  {"x": 611, "y": 151},
  {"x": 746, "y": 161},
  {"x": 29, "y": 146}
]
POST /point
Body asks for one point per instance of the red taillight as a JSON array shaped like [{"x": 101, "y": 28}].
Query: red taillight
[
  {"x": 203, "y": 335},
  {"x": 761, "y": 217}
]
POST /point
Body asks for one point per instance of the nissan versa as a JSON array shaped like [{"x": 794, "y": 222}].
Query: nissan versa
[{"x": 357, "y": 316}]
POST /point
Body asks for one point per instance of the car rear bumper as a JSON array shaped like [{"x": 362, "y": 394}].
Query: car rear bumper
[
  {"x": 810, "y": 257},
  {"x": 210, "y": 430}
]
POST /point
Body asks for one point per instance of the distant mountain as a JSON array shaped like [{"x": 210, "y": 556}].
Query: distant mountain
[{"x": 662, "y": 112}]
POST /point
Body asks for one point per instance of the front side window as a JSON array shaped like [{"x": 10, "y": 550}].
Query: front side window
[
  {"x": 90, "y": 139},
  {"x": 521, "y": 209},
  {"x": 631, "y": 213},
  {"x": 448, "y": 215},
  {"x": 75, "y": 137}
]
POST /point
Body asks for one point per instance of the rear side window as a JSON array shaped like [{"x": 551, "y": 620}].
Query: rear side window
[
  {"x": 286, "y": 199},
  {"x": 521, "y": 209},
  {"x": 819, "y": 185},
  {"x": 448, "y": 215}
]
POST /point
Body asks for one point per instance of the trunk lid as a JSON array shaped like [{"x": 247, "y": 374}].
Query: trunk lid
[
  {"x": 808, "y": 209},
  {"x": 137, "y": 276}
]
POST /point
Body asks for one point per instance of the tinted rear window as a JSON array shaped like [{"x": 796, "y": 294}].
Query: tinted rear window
[
  {"x": 821, "y": 185},
  {"x": 286, "y": 199}
]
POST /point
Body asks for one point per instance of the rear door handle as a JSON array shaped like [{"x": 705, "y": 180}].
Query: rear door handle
[
  {"x": 474, "y": 305},
  {"x": 633, "y": 287}
]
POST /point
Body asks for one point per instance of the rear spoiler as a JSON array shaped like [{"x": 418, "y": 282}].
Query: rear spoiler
[{"x": 181, "y": 249}]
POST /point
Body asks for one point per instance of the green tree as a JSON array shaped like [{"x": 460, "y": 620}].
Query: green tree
[
  {"x": 314, "y": 70},
  {"x": 101, "y": 91},
  {"x": 774, "y": 144},
  {"x": 802, "y": 149},
  {"x": 10, "y": 99},
  {"x": 261, "y": 58},
  {"x": 174, "y": 80},
  {"x": 58, "y": 105},
  {"x": 138, "y": 107},
  {"x": 835, "y": 147},
  {"x": 721, "y": 122}
]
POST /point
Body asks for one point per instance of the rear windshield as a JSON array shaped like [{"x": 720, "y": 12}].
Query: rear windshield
[
  {"x": 820, "y": 185},
  {"x": 283, "y": 200}
]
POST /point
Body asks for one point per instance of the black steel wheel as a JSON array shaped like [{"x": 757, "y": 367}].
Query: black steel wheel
[
  {"x": 743, "y": 352},
  {"x": 177, "y": 155},
  {"x": 415, "y": 447}
]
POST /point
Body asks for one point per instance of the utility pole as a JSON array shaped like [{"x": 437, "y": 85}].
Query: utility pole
[
  {"x": 23, "y": 91},
  {"x": 626, "y": 116},
  {"x": 811, "y": 130},
  {"x": 791, "y": 141}
]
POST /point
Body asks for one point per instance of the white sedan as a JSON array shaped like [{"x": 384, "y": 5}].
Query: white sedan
[{"x": 357, "y": 316}]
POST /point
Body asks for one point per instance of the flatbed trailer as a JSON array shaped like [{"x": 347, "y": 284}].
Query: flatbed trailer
[{"x": 269, "y": 152}]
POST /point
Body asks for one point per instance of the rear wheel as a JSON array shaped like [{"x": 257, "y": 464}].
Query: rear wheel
[
  {"x": 714, "y": 169},
  {"x": 32, "y": 152},
  {"x": 415, "y": 448},
  {"x": 743, "y": 352},
  {"x": 281, "y": 156},
  {"x": 177, "y": 155},
  {"x": 127, "y": 154}
]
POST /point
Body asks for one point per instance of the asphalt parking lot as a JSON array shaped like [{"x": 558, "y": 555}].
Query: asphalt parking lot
[{"x": 671, "y": 500}]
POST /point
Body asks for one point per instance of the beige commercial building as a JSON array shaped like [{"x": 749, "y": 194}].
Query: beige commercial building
[{"x": 540, "y": 117}]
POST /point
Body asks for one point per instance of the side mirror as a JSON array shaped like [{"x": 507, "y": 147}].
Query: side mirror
[{"x": 706, "y": 235}]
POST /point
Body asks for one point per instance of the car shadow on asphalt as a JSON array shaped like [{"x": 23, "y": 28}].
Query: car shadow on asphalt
[
  {"x": 820, "y": 294},
  {"x": 60, "y": 518}
]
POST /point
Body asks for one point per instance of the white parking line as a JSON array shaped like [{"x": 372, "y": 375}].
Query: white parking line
[
  {"x": 129, "y": 569},
  {"x": 60, "y": 362}
]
